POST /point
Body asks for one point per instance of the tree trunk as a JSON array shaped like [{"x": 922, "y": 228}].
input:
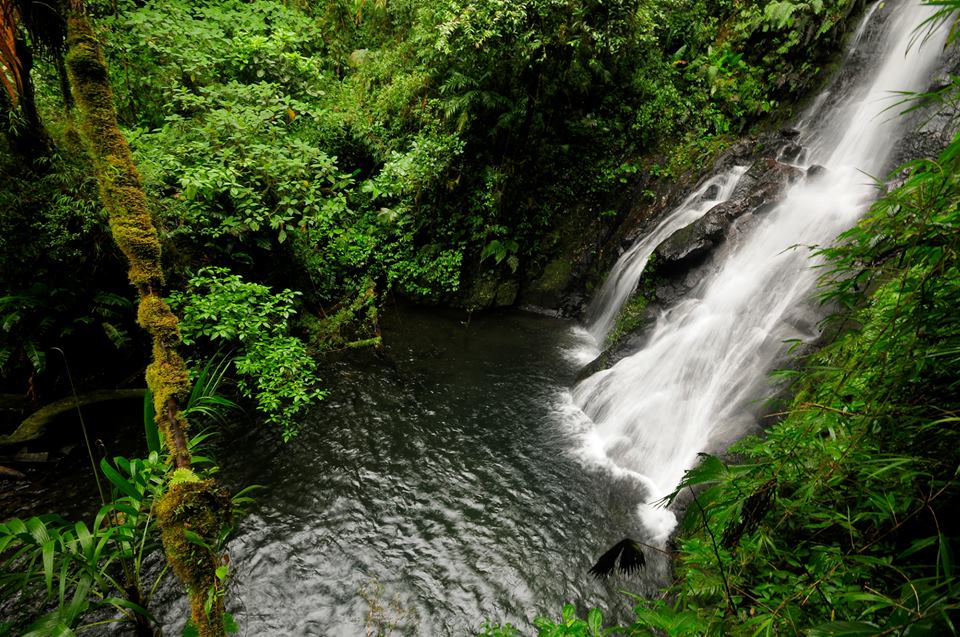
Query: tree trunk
[
  {"x": 190, "y": 503},
  {"x": 30, "y": 139}
]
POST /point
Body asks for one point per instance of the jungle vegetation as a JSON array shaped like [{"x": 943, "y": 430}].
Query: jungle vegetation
[{"x": 267, "y": 174}]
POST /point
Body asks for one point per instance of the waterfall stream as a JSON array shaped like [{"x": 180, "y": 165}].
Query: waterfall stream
[
  {"x": 696, "y": 383},
  {"x": 623, "y": 278}
]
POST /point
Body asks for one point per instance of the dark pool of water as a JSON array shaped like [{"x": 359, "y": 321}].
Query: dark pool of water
[
  {"x": 433, "y": 490},
  {"x": 436, "y": 483}
]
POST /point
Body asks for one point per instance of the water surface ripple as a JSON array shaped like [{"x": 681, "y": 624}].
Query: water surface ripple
[{"x": 433, "y": 483}]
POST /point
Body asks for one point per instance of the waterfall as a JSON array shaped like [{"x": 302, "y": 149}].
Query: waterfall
[
  {"x": 623, "y": 278},
  {"x": 694, "y": 385}
]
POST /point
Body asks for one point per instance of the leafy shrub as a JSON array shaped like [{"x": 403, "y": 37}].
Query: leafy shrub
[{"x": 274, "y": 368}]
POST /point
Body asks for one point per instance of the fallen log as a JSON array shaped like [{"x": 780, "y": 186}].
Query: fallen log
[{"x": 36, "y": 423}]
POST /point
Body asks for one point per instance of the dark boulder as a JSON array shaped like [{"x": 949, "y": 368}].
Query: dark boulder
[
  {"x": 761, "y": 187},
  {"x": 695, "y": 241},
  {"x": 765, "y": 184},
  {"x": 792, "y": 153}
]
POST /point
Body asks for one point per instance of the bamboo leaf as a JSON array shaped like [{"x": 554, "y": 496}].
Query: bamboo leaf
[
  {"x": 48, "y": 548},
  {"x": 842, "y": 629}
]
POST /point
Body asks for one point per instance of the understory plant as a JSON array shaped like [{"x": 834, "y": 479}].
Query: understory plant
[
  {"x": 67, "y": 576},
  {"x": 81, "y": 569},
  {"x": 102, "y": 573},
  {"x": 273, "y": 367}
]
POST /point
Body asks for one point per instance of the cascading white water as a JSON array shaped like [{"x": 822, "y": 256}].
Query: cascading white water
[
  {"x": 691, "y": 387},
  {"x": 623, "y": 278}
]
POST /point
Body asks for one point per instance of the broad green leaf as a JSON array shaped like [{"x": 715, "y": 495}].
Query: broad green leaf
[
  {"x": 48, "y": 550},
  {"x": 128, "y": 605},
  {"x": 118, "y": 480},
  {"x": 595, "y": 621}
]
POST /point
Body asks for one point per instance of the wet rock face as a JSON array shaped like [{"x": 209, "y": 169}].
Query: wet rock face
[
  {"x": 765, "y": 184},
  {"x": 923, "y": 144},
  {"x": 697, "y": 240},
  {"x": 792, "y": 153},
  {"x": 760, "y": 188},
  {"x": 683, "y": 259}
]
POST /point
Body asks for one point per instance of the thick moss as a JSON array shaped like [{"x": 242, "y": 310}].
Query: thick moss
[
  {"x": 197, "y": 506},
  {"x": 119, "y": 181},
  {"x": 555, "y": 277},
  {"x": 488, "y": 290},
  {"x": 631, "y": 318},
  {"x": 155, "y": 316},
  {"x": 190, "y": 505},
  {"x": 167, "y": 378},
  {"x": 130, "y": 223}
]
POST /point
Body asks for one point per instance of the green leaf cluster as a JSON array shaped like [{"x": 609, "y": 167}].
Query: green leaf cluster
[
  {"x": 407, "y": 141},
  {"x": 81, "y": 568},
  {"x": 274, "y": 368}
]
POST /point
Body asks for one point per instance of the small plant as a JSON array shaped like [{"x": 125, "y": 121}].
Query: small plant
[
  {"x": 498, "y": 630},
  {"x": 572, "y": 626},
  {"x": 629, "y": 319}
]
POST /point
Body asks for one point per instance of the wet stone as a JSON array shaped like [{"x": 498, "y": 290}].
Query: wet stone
[
  {"x": 791, "y": 152},
  {"x": 711, "y": 193}
]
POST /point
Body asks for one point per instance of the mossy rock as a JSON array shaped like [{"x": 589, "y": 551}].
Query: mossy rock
[
  {"x": 506, "y": 293},
  {"x": 548, "y": 289},
  {"x": 631, "y": 318},
  {"x": 489, "y": 291}
]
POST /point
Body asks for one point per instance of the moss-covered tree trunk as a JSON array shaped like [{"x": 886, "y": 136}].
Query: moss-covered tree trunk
[{"x": 189, "y": 504}]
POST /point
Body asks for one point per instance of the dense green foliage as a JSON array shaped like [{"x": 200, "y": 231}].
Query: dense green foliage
[
  {"x": 59, "y": 280},
  {"x": 274, "y": 368},
  {"x": 348, "y": 150}
]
